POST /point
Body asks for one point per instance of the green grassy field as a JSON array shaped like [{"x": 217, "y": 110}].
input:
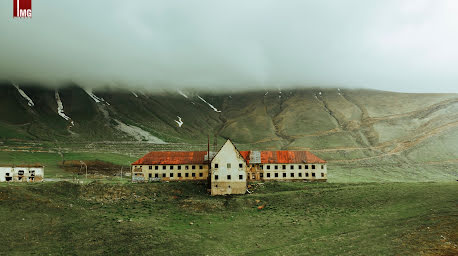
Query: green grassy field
[
  {"x": 51, "y": 161},
  {"x": 181, "y": 219}
]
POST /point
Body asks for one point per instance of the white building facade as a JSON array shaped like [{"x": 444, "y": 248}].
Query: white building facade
[
  {"x": 21, "y": 173},
  {"x": 228, "y": 170}
]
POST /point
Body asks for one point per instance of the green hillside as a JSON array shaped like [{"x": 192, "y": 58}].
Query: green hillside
[{"x": 350, "y": 128}]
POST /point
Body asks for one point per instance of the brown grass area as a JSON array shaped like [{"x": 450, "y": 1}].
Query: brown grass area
[
  {"x": 93, "y": 167},
  {"x": 440, "y": 238}
]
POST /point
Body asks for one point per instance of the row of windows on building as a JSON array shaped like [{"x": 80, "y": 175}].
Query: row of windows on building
[
  {"x": 229, "y": 177},
  {"x": 22, "y": 172},
  {"x": 179, "y": 175},
  {"x": 273, "y": 175},
  {"x": 228, "y": 165},
  {"x": 172, "y": 167},
  {"x": 291, "y": 167},
  {"x": 276, "y": 166},
  {"x": 283, "y": 175}
]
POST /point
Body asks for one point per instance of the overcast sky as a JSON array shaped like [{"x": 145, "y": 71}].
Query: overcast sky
[{"x": 397, "y": 45}]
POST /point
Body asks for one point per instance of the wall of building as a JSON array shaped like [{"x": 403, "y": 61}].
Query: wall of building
[
  {"x": 21, "y": 174},
  {"x": 143, "y": 173},
  {"x": 228, "y": 172},
  {"x": 290, "y": 172}
]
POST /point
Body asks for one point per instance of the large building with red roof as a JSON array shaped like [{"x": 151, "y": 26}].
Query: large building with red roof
[{"x": 229, "y": 169}]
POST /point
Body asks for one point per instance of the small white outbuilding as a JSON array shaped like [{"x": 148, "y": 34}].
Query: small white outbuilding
[{"x": 21, "y": 173}]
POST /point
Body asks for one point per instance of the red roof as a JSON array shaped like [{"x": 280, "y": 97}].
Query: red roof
[
  {"x": 172, "y": 157},
  {"x": 285, "y": 157},
  {"x": 198, "y": 157}
]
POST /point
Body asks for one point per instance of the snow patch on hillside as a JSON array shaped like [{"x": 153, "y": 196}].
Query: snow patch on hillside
[
  {"x": 210, "y": 105},
  {"x": 93, "y": 96},
  {"x": 182, "y": 94},
  {"x": 60, "y": 109},
  {"x": 179, "y": 121},
  {"x": 133, "y": 93},
  {"x": 22, "y": 93},
  {"x": 138, "y": 133}
]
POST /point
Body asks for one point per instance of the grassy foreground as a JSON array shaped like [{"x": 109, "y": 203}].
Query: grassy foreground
[{"x": 181, "y": 219}]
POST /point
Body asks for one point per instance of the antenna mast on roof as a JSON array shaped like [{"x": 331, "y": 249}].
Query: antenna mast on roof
[
  {"x": 208, "y": 150},
  {"x": 209, "y": 164},
  {"x": 215, "y": 143}
]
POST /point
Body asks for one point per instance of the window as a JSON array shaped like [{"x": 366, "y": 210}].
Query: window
[
  {"x": 284, "y": 175},
  {"x": 228, "y": 186},
  {"x": 193, "y": 167},
  {"x": 300, "y": 174},
  {"x": 163, "y": 175},
  {"x": 291, "y": 167},
  {"x": 156, "y": 167},
  {"x": 276, "y": 167},
  {"x": 163, "y": 167},
  {"x": 171, "y": 175},
  {"x": 186, "y": 175},
  {"x": 292, "y": 175},
  {"x": 313, "y": 166},
  {"x": 179, "y": 175},
  {"x": 283, "y": 166},
  {"x": 201, "y": 167},
  {"x": 150, "y": 175},
  {"x": 156, "y": 175},
  {"x": 193, "y": 174},
  {"x": 216, "y": 177},
  {"x": 240, "y": 165},
  {"x": 216, "y": 186},
  {"x": 313, "y": 174},
  {"x": 261, "y": 175},
  {"x": 216, "y": 166},
  {"x": 150, "y": 167},
  {"x": 261, "y": 166},
  {"x": 268, "y": 167},
  {"x": 300, "y": 167},
  {"x": 252, "y": 165},
  {"x": 179, "y": 167},
  {"x": 322, "y": 174},
  {"x": 306, "y": 167},
  {"x": 268, "y": 175},
  {"x": 201, "y": 174},
  {"x": 322, "y": 167},
  {"x": 171, "y": 167},
  {"x": 276, "y": 175},
  {"x": 228, "y": 177},
  {"x": 253, "y": 176},
  {"x": 228, "y": 166},
  {"x": 20, "y": 172},
  {"x": 306, "y": 174},
  {"x": 186, "y": 167}
]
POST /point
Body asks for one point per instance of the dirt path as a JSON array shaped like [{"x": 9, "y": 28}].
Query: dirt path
[{"x": 407, "y": 144}]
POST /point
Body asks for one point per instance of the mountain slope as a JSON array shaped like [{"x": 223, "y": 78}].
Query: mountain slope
[{"x": 343, "y": 126}]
